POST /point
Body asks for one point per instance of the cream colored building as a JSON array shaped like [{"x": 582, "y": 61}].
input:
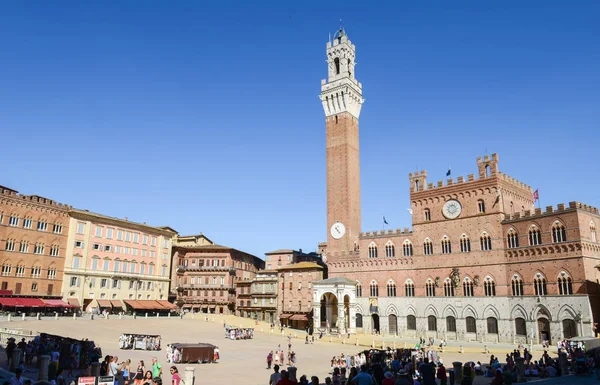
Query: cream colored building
[{"x": 112, "y": 262}]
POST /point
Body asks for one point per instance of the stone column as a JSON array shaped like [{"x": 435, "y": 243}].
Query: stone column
[
  {"x": 43, "y": 363},
  {"x": 457, "y": 372},
  {"x": 520, "y": 364},
  {"x": 95, "y": 369},
  {"x": 316, "y": 316},
  {"x": 329, "y": 316},
  {"x": 189, "y": 375},
  {"x": 74, "y": 315},
  {"x": 15, "y": 360},
  {"x": 23, "y": 316},
  {"x": 564, "y": 363},
  {"x": 56, "y": 316},
  {"x": 9, "y": 316}
]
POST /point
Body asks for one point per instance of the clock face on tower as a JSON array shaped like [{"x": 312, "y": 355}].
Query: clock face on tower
[
  {"x": 338, "y": 230},
  {"x": 452, "y": 209}
]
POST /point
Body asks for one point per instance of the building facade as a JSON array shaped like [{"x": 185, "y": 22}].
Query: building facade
[
  {"x": 33, "y": 244},
  {"x": 295, "y": 297},
  {"x": 206, "y": 273},
  {"x": 257, "y": 298},
  {"x": 480, "y": 263},
  {"x": 281, "y": 258},
  {"x": 110, "y": 260}
]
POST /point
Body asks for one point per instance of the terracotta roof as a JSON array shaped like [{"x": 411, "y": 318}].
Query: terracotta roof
[
  {"x": 301, "y": 265},
  {"x": 281, "y": 251},
  {"x": 121, "y": 222},
  {"x": 335, "y": 280}
]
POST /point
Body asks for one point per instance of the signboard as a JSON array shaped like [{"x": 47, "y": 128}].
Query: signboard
[
  {"x": 87, "y": 381},
  {"x": 106, "y": 380}
]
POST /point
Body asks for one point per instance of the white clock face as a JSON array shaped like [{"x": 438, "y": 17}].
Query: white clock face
[
  {"x": 338, "y": 230},
  {"x": 452, "y": 209}
]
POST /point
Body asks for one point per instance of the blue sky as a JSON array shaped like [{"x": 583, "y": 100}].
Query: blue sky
[{"x": 204, "y": 116}]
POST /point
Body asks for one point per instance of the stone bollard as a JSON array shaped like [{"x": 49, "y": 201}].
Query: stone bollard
[
  {"x": 95, "y": 369},
  {"x": 120, "y": 316},
  {"x": 38, "y": 316},
  {"x": 157, "y": 315},
  {"x": 457, "y": 372},
  {"x": 169, "y": 315},
  {"x": 43, "y": 367},
  {"x": 356, "y": 341},
  {"x": 181, "y": 316},
  {"x": 74, "y": 315},
  {"x": 92, "y": 317},
  {"x": 292, "y": 372},
  {"x": 189, "y": 375},
  {"x": 394, "y": 344},
  {"x": 486, "y": 350},
  {"x": 56, "y": 316},
  {"x": 520, "y": 364},
  {"x": 462, "y": 349},
  {"x": 373, "y": 344},
  {"x": 563, "y": 362},
  {"x": 329, "y": 338},
  {"x": 23, "y": 317},
  {"x": 146, "y": 315},
  {"x": 382, "y": 345},
  {"x": 15, "y": 360},
  {"x": 9, "y": 316}
]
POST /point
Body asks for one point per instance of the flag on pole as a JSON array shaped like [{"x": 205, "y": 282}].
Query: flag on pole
[
  {"x": 536, "y": 195},
  {"x": 449, "y": 171},
  {"x": 384, "y": 221},
  {"x": 409, "y": 211}
]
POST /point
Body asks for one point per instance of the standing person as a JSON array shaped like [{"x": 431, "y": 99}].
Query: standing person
[
  {"x": 9, "y": 349},
  {"x": 104, "y": 365},
  {"x": 127, "y": 371},
  {"x": 17, "y": 380},
  {"x": 275, "y": 376},
  {"x": 176, "y": 378},
  {"x": 156, "y": 368},
  {"x": 388, "y": 379},
  {"x": 363, "y": 378},
  {"x": 427, "y": 372},
  {"x": 269, "y": 359},
  {"x": 441, "y": 374},
  {"x": 147, "y": 378},
  {"x": 139, "y": 373}
]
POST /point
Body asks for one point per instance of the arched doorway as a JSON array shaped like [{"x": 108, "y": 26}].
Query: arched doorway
[
  {"x": 329, "y": 311},
  {"x": 569, "y": 328},
  {"x": 393, "y": 321},
  {"x": 544, "y": 330},
  {"x": 375, "y": 322}
]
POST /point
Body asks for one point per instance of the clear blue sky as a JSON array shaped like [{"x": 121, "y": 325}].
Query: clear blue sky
[{"x": 204, "y": 116}]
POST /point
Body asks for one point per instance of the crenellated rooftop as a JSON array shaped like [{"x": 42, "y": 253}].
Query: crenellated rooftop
[
  {"x": 32, "y": 198},
  {"x": 551, "y": 210},
  {"x": 384, "y": 233}
]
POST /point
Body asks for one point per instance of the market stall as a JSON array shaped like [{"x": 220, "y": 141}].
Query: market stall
[
  {"x": 192, "y": 353},
  {"x": 239, "y": 333},
  {"x": 139, "y": 342}
]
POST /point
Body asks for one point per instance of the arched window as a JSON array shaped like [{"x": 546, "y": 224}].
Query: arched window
[
  {"x": 481, "y": 206},
  {"x": 336, "y": 63},
  {"x": 407, "y": 249},
  {"x": 569, "y": 328},
  {"x": 565, "y": 284},
  {"x": 446, "y": 245},
  {"x": 430, "y": 288},
  {"x": 374, "y": 289},
  {"x": 492, "y": 325},
  {"x": 465, "y": 244},
  {"x": 471, "y": 325},
  {"x": 391, "y": 288},
  {"x": 593, "y": 235},
  {"x": 539, "y": 283},
  {"x": 390, "y": 250},
  {"x": 486, "y": 241},
  {"x": 468, "y": 287},
  {"x": 427, "y": 215},
  {"x": 517, "y": 285},
  {"x": 448, "y": 288},
  {"x": 359, "y": 323},
  {"x": 535, "y": 236},
  {"x": 372, "y": 250},
  {"x": 489, "y": 286},
  {"x": 409, "y": 288},
  {"x": 411, "y": 322},
  {"x": 358, "y": 289},
  {"x": 520, "y": 326},
  {"x": 513, "y": 239},
  {"x": 431, "y": 323},
  {"x": 450, "y": 324},
  {"x": 427, "y": 247},
  {"x": 559, "y": 233}
]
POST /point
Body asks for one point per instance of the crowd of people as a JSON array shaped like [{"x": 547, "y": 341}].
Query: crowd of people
[
  {"x": 238, "y": 333},
  {"x": 139, "y": 342}
]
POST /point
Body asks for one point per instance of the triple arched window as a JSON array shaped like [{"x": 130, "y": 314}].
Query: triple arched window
[
  {"x": 539, "y": 284},
  {"x": 565, "y": 284},
  {"x": 407, "y": 249},
  {"x": 468, "y": 287},
  {"x": 358, "y": 289},
  {"x": 448, "y": 288},
  {"x": 372, "y": 250},
  {"x": 373, "y": 289},
  {"x": 430, "y": 288},
  {"x": 489, "y": 287},
  {"x": 391, "y": 288},
  {"x": 446, "y": 245},
  {"x": 512, "y": 239},
  {"x": 427, "y": 247},
  {"x": 535, "y": 236},
  {"x": 517, "y": 285},
  {"x": 486, "y": 241},
  {"x": 559, "y": 233},
  {"x": 390, "y": 250},
  {"x": 409, "y": 288},
  {"x": 465, "y": 244}
]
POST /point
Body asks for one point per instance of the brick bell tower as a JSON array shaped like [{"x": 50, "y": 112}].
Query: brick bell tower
[{"x": 341, "y": 95}]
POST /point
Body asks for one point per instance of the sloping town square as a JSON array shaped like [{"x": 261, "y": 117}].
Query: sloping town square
[{"x": 187, "y": 197}]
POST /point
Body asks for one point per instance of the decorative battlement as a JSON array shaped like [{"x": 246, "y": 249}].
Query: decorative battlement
[
  {"x": 513, "y": 181},
  {"x": 32, "y": 198},
  {"x": 384, "y": 233},
  {"x": 551, "y": 210}
]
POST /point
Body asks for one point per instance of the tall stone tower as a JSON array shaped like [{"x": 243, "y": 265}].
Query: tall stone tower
[{"x": 341, "y": 95}]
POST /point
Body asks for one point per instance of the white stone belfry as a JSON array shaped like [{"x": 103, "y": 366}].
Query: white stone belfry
[
  {"x": 341, "y": 92},
  {"x": 337, "y": 297}
]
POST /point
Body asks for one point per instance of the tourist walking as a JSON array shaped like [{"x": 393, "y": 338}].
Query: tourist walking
[
  {"x": 275, "y": 376},
  {"x": 269, "y": 359},
  {"x": 441, "y": 374},
  {"x": 156, "y": 368},
  {"x": 175, "y": 377},
  {"x": 139, "y": 373}
]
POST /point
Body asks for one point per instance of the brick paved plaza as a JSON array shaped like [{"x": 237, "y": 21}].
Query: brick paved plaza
[{"x": 241, "y": 361}]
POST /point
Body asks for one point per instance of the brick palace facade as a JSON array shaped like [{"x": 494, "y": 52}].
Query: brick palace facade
[{"x": 481, "y": 262}]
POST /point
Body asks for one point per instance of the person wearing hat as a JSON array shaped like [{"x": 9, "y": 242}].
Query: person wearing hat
[
  {"x": 388, "y": 378},
  {"x": 403, "y": 378}
]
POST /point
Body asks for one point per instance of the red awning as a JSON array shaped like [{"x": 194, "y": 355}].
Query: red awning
[
  {"x": 103, "y": 303},
  {"x": 9, "y": 302},
  {"x": 73, "y": 302},
  {"x": 56, "y": 303},
  {"x": 116, "y": 303},
  {"x": 187, "y": 306},
  {"x": 284, "y": 316},
  {"x": 167, "y": 304},
  {"x": 134, "y": 304},
  {"x": 31, "y": 302},
  {"x": 299, "y": 317}
]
